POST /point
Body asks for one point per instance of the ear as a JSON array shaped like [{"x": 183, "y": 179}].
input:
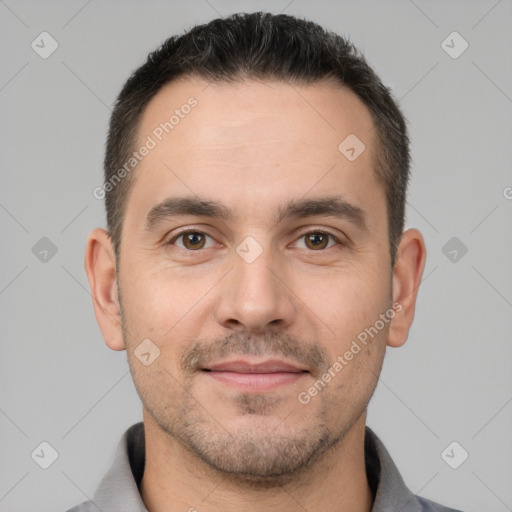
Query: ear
[
  {"x": 407, "y": 273},
  {"x": 100, "y": 266}
]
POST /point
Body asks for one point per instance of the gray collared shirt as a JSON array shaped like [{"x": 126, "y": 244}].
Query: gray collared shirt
[{"x": 118, "y": 490}]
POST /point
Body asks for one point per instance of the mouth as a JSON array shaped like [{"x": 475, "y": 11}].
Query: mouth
[{"x": 255, "y": 376}]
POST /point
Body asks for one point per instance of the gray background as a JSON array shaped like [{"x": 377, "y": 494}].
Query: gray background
[{"x": 452, "y": 381}]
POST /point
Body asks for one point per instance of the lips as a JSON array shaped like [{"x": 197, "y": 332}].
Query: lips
[
  {"x": 269, "y": 366},
  {"x": 256, "y": 377}
]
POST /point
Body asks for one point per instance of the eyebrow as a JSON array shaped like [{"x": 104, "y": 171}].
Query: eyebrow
[{"x": 331, "y": 206}]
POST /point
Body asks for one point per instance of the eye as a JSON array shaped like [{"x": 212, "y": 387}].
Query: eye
[
  {"x": 193, "y": 240},
  {"x": 318, "y": 240}
]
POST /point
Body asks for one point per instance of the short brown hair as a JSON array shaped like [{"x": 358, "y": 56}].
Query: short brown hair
[{"x": 260, "y": 46}]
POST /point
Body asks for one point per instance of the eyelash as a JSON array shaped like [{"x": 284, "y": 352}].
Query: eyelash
[{"x": 311, "y": 232}]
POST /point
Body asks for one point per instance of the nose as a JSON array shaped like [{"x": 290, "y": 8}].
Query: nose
[{"x": 255, "y": 296}]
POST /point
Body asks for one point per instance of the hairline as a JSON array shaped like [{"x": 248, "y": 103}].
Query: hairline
[{"x": 377, "y": 158}]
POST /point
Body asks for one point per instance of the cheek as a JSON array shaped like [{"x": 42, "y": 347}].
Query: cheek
[
  {"x": 156, "y": 385},
  {"x": 351, "y": 310},
  {"x": 347, "y": 302},
  {"x": 167, "y": 309},
  {"x": 156, "y": 299}
]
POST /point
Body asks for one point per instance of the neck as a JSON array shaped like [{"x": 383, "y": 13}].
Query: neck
[{"x": 177, "y": 480}]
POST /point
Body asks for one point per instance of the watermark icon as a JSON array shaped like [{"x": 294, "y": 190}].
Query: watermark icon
[
  {"x": 454, "y": 455},
  {"x": 44, "y": 455},
  {"x": 507, "y": 192},
  {"x": 146, "y": 352},
  {"x": 454, "y": 45},
  {"x": 351, "y": 147},
  {"x": 151, "y": 142},
  {"x": 44, "y": 45},
  {"x": 454, "y": 249},
  {"x": 249, "y": 249},
  {"x": 44, "y": 250},
  {"x": 304, "y": 397}
]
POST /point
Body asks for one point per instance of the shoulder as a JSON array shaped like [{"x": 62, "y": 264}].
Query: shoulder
[
  {"x": 86, "y": 506},
  {"x": 431, "y": 506},
  {"x": 391, "y": 492}
]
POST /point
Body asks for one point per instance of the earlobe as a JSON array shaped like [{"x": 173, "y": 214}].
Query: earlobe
[
  {"x": 407, "y": 273},
  {"x": 100, "y": 266}
]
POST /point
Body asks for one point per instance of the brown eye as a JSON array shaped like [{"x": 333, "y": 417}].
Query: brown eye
[
  {"x": 191, "y": 240},
  {"x": 317, "y": 240}
]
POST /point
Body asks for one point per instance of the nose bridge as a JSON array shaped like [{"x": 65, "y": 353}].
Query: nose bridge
[{"x": 254, "y": 296}]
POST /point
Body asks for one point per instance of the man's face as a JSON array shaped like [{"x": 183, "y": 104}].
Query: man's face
[{"x": 248, "y": 289}]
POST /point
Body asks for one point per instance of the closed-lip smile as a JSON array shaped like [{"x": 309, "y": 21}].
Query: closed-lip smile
[{"x": 251, "y": 375}]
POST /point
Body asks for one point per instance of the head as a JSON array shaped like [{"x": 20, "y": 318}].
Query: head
[
  {"x": 259, "y": 46},
  {"x": 263, "y": 220}
]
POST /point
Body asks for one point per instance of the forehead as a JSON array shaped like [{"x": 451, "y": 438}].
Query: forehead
[{"x": 255, "y": 144}]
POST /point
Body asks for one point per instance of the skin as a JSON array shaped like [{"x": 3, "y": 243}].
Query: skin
[{"x": 253, "y": 146}]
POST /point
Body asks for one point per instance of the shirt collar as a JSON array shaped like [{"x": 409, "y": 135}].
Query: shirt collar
[{"x": 119, "y": 488}]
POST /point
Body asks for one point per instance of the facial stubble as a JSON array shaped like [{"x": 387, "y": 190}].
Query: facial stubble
[{"x": 251, "y": 454}]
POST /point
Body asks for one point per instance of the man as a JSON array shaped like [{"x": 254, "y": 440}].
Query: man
[{"x": 255, "y": 268}]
